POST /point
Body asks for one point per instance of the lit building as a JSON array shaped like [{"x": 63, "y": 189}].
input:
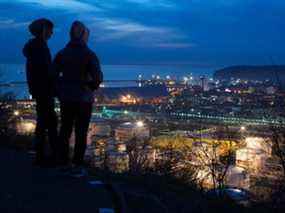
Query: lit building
[
  {"x": 127, "y": 131},
  {"x": 254, "y": 155},
  {"x": 99, "y": 128},
  {"x": 99, "y": 152},
  {"x": 26, "y": 127}
]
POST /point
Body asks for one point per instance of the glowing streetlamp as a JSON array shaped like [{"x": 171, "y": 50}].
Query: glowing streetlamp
[
  {"x": 242, "y": 128},
  {"x": 140, "y": 124},
  {"x": 16, "y": 113}
]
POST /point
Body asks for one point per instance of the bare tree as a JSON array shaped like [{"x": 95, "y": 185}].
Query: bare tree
[
  {"x": 174, "y": 158},
  {"x": 277, "y": 199},
  {"x": 138, "y": 158},
  {"x": 278, "y": 140},
  {"x": 214, "y": 156}
]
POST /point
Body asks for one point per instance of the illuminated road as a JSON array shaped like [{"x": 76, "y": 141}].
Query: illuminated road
[
  {"x": 187, "y": 116},
  {"x": 232, "y": 120}
]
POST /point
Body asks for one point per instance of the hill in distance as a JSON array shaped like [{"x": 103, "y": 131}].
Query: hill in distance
[{"x": 260, "y": 73}]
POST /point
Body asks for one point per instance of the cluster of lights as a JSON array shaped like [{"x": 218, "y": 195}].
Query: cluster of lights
[
  {"x": 128, "y": 99},
  {"x": 187, "y": 79}
]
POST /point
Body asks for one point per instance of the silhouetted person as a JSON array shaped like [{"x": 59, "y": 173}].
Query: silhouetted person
[
  {"x": 41, "y": 86},
  {"x": 80, "y": 75}
]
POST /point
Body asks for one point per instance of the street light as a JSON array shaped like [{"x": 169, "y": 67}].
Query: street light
[
  {"x": 16, "y": 113},
  {"x": 242, "y": 128},
  {"x": 140, "y": 124}
]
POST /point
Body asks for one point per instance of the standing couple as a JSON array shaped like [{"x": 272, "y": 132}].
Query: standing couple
[{"x": 72, "y": 76}]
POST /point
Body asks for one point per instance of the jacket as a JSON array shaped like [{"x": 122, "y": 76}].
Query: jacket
[
  {"x": 38, "y": 68},
  {"x": 78, "y": 72}
]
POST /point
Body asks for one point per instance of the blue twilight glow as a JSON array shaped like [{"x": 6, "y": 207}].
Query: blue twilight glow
[{"x": 203, "y": 33}]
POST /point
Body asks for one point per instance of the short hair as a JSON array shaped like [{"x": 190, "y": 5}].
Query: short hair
[
  {"x": 37, "y": 27},
  {"x": 77, "y": 30}
]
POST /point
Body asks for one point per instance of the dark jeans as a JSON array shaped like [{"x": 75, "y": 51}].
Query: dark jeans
[
  {"x": 46, "y": 123},
  {"x": 75, "y": 114}
]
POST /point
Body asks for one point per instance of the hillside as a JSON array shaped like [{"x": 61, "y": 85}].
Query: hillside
[{"x": 252, "y": 73}]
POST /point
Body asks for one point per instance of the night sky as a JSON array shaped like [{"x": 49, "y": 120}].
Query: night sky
[{"x": 203, "y": 33}]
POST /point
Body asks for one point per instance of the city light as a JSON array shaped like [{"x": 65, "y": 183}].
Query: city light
[
  {"x": 227, "y": 90},
  {"x": 26, "y": 127},
  {"x": 140, "y": 124},
  {"x": 16, "y": 113},
  {"x": 254, "y": 142},
  {"x": 128, "y": 99},
  {"x": 243, "y": 128},
  {"x": 126, "y": 112},
  {"x": 29, "y": 127},
  {"x": 123, "y": 98}
]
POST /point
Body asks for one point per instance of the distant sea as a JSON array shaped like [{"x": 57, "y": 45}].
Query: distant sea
[{"x": 16, "y": 73}]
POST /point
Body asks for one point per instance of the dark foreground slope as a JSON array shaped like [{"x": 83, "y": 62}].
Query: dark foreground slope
[{"x": 27, "y": 189}]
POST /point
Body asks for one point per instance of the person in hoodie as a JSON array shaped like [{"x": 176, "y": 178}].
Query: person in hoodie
[
  {"x": 79, "y": 75},
  {"x": 41, "y": 87}
]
